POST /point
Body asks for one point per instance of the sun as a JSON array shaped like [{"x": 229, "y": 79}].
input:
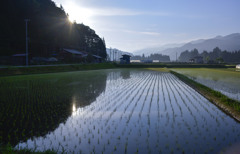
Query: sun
[{"x": 78, "y": 14}]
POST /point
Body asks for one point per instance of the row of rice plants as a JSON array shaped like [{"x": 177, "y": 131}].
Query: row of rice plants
[{"x": 149, "y": 112}]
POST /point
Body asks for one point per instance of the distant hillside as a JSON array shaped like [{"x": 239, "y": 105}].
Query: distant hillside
[
  {"x": 49, "y": 29},
  {"x": 230, "y": 43},
  {"x": 116, "y": 54}
]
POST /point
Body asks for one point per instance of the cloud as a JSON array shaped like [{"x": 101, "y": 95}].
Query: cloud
[
  {"x": 125, "y": 12},
  {"x": 133, "y": 32},
  {"x": 142, "y": 32},
  {"x": 111, "y": 11}
]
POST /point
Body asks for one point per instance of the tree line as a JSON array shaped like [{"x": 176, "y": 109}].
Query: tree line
[
  {"x": 49, "y": 30},
  {"x": 155, "y": 56},
  {"x": 215, "y": 56}
]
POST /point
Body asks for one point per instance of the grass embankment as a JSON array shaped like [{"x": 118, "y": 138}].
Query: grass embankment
[
  {"x": 173, "y": 65},
  {"x": 212, "y": 73},
  {"x": 10, "y": 150},
  {"x": 230, "y": 106},
  {"x": 52, "y": 69},
  {"x": 14, "y": 70}
]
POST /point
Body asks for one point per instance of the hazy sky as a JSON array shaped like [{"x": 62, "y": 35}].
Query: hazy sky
[{"x": 135, "y": 24}]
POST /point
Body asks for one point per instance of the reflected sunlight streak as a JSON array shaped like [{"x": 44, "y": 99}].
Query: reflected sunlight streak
[{"x": 74, "y": 109}]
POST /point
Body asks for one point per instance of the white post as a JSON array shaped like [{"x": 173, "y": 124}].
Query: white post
[{"x": 26, "y": 20}]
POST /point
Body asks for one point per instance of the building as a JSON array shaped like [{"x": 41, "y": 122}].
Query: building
[
  {"x": 156, "y": 61},
  {"x": 71, "y": 55},
  {"x": 197, "y": 60},
  {"x": 135, "y": 61},
  {"x": 125, "y": 59},
  {"x": 238, "y": 66},
  {"x": 97, "y": 59},
  {"x": 19, "y": 59}
]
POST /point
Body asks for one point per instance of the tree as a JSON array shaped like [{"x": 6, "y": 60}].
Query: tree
[
  {"x": 49, "y": 29},
  {"x": 220, "y": 60}
]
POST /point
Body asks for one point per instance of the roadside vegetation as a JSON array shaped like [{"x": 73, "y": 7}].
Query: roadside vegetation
[{"x": 53, "y": 69}]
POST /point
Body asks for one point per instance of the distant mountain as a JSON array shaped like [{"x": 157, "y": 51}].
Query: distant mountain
[
  {"x": 116, "y": 54},
  {"x": 230, "y": 43}
]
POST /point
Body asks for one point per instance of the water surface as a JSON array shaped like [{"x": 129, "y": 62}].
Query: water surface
[
  {"x": 226, "y": 81},
  {"x": 140, "y": 111}
]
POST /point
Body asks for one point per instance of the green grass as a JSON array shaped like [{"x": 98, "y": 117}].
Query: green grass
[
  {"x": 7, "y": 149},
  {"x": 173, "y": 65},
  {"x": 51, "y": 69},
  {"x": 79, "y": 67},
  {"x": 223, "y": 74}
]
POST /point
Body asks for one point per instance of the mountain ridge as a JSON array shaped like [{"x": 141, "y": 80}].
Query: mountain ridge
[{"x": 229, "y": 42}]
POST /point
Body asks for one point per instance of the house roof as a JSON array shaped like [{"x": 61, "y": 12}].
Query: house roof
[
  {"x": 73, "y": 51},
  {"x": 97, "y": 56}
]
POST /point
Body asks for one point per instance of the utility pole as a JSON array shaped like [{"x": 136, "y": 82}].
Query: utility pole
[
  {"x": 27, "y": 20},
  {"x": 115, "y": 55},
  {"x": 110, "y": 51},
  {"x": 176, "y": 56}
]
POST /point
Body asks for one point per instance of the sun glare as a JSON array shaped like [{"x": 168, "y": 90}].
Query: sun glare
[{"x": 78, "y": 14}]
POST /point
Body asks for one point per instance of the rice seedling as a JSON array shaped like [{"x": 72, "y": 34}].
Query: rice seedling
[{"x": 147, "y": 110}]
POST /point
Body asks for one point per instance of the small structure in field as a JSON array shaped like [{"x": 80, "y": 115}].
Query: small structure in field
[
  {"x": 156, "y": 61},
  {"x": 238, "y": 67},
  {"x": 135, "y": 61},
  {"x": 125, "y": 59}
]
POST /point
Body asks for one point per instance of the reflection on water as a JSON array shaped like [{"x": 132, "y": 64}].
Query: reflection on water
[
  {"x": 141, "y": 112},
  {"x": 225, "y": 81},
  {"x": 33, "y": 105},
  {"x": 230, "y": 90}
]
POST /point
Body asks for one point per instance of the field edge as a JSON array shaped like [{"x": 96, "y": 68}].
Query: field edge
[{"x": 226, "y": 104}]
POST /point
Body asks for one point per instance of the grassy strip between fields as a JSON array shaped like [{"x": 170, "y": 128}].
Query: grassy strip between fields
[
  {"x": 10, "y": 150},
  {"x": 173, "y": 65},
  {"x": 228, "y": 105},
  {"x": 13, "y": 70},
  {"x": 53, "y": 69}
]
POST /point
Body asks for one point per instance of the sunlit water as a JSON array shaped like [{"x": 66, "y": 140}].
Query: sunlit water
[
  {"x": 143, "y": 112},
  {"x": 222, "y": 80}
]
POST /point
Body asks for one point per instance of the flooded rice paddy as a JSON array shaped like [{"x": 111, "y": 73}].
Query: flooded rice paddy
[
  {"x": 121, "y": 111},
  {"x": 226, "y": 81}
]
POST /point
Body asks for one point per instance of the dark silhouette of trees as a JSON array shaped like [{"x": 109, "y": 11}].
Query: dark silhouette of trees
[
  {"x": 155, "y": 56},
  {"x": 217, "y": 56},
  {"x": 49, "y": 30}
]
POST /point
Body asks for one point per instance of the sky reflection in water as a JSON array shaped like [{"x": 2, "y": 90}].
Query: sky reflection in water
[{"x": 142, "y": 111}]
